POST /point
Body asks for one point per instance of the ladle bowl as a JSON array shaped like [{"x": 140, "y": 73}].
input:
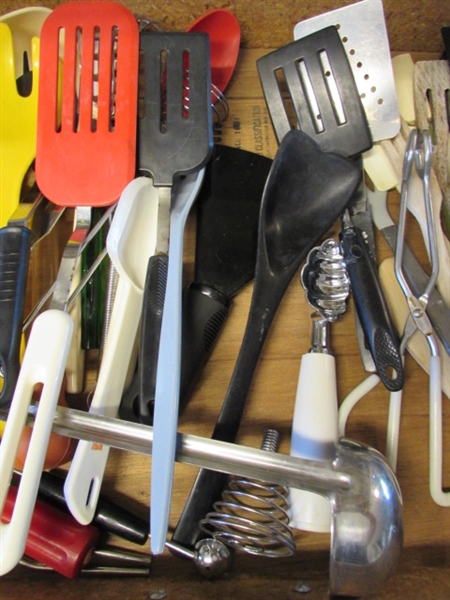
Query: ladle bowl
[
  {"x": 224, "y": 36},
  {"x": 367, "y": 531}
]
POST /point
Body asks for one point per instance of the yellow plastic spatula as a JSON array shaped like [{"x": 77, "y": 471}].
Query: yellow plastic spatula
[{"x": 18, "y": 120}]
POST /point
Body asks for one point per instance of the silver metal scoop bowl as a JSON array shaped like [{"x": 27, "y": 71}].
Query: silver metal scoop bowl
[{"x": 367, "y": 532}]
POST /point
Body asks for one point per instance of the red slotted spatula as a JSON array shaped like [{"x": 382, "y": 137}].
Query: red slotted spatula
[
  {"x": 86, "y": 127},
  {"x": 85, "y": 157}
]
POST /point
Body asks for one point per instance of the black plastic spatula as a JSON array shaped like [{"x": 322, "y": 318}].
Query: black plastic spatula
[
  {"x": 307, "y": 189},
  {"x": 174, "y": 138},
  {"x": 309, "y": 85},
  {"x": 225, "y": 254}
]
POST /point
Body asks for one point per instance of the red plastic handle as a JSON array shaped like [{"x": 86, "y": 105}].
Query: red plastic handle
[{"x": 55, "y": 538}]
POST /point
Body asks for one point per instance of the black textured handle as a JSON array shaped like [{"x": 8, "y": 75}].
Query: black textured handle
[
  {"x": 109, "y": 516},
  {"x": 15, "y": 243},
  {"x": 152, "y": 313},
  {"x": 204, "y": 313},
  {"x": 129, "y": 403},
  {"x": 372, "y": 309}
]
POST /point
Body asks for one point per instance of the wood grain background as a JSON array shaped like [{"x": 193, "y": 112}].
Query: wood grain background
[
  {"x": 424, "y": 568},
  {"x": 413, "y": 25}
]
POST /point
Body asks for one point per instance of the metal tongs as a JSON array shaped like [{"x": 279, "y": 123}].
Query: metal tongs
[{"x": 418, "y": 153}]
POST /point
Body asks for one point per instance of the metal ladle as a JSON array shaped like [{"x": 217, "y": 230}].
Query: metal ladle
[{"x": 367, "y": 531}]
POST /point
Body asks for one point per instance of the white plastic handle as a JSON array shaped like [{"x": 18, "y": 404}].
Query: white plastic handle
[
  {"x": 44, "y": 362},
  {"x": 131, "y": 240},
  {"x": 314, "y": 435},
  {"x": 85, "y": 476},
  {"x": 439, "y": 496}
]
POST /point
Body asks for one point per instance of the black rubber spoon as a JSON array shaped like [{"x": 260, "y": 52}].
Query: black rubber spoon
[{"x": 306, "y": 191}]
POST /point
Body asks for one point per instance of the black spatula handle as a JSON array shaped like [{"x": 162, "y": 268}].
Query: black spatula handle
[
  {"x": 15, "y": 243},
  {"x": 372, "y": 309},
  {"x": 152, "y": 313},
  {"x": 204, "y": 313}
]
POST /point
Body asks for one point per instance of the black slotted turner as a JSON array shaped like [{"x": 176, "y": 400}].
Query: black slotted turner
[
  {"x": 321, "y": 94},
  {"x": 175, "y": 138}
]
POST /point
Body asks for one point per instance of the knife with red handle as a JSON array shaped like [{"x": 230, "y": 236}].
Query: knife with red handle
[{"x": 55, "y": 538}]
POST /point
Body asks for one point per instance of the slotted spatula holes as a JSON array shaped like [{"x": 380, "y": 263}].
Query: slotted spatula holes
[
  {"x": 83, "y": 49},
  {"x": 358, "y": 71},
  {"x": 185, "y": 88},
  {"x": 332, "y": 87},
  {"x": 186, "y": 67},
  {"x": 310, "y": 97}
]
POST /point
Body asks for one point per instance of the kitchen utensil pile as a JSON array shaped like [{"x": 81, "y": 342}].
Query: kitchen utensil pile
[{"x": 124, "y": 122}]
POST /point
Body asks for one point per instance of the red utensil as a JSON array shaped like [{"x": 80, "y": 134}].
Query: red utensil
[
  {"x": 224, "y": 36},
  {"x": 55, "y": 538},
  {"x": 86, "y": 156}
]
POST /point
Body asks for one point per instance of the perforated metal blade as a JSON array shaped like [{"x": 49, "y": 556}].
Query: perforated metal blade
[{"x": 362, "y": 29}]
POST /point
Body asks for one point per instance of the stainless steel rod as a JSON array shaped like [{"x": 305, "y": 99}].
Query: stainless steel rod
[{"x": 321, "y": 477}]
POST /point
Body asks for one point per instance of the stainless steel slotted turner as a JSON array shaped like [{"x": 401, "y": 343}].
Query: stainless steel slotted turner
[{"x": 362, "y": 29}]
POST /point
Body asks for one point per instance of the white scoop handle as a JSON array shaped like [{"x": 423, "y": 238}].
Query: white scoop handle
[
  {"x": 314, "y": 435},
  {"x": 44, "y": 362},
  {"x": 132, "y": 230},
  {"x": 85, "y": 476}
]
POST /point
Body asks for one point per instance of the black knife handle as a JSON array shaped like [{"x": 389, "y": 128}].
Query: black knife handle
[
  {"x": 204, "y": 312},
  {"x": 109, "y": 516},
  {"x": 372, "y": 309},
  {"x": 15, "y": 244},
  {"x": 152, "y": 314}
]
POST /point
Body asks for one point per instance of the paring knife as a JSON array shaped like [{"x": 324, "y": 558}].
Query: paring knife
[
  {"x": 437, "y": 310},
  {"x": 368, "y": 295},
  {"x": 226, "y": 238}
]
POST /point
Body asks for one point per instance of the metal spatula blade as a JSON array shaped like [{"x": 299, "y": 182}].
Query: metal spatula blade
[
  {"x": 362, "y": 29},
  {"x": 309, "y": 85}
]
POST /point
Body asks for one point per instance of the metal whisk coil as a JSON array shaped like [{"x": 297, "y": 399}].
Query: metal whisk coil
[{"x": 252, "y": 515}]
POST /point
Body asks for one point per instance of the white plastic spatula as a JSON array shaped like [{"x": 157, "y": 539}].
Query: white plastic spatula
[
  {"x": 131, "y": 241},
  {"x": 43, "y": 363}
]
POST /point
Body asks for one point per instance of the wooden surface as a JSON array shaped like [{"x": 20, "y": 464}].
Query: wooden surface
[
  {"x": 424, "y": 567},
  {"x": 412, "y": 25}
]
